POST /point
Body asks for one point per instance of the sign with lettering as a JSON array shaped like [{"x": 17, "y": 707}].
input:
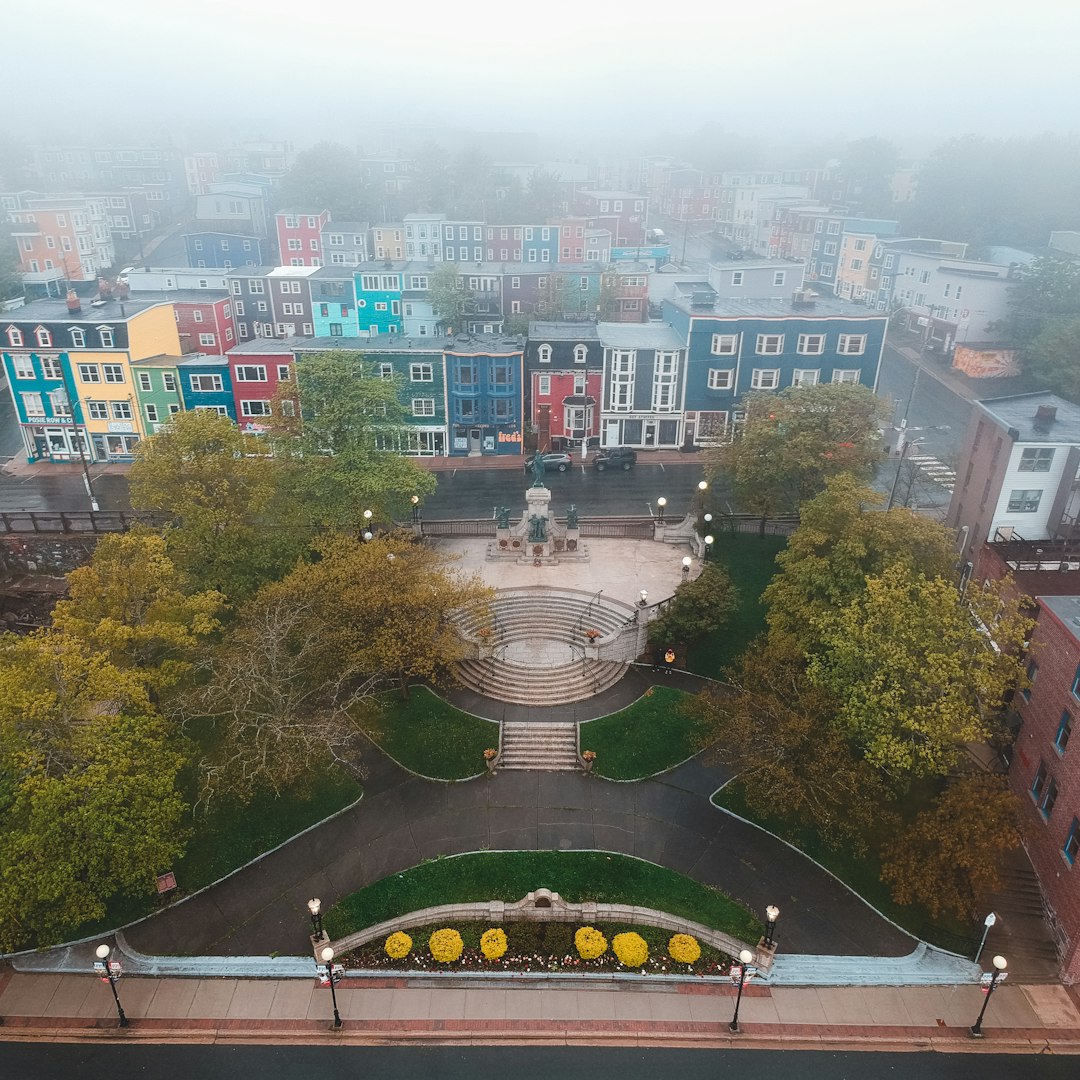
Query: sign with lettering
[
  {"x": 121, "y": 427},
  {"x": 509, "y": 436}
]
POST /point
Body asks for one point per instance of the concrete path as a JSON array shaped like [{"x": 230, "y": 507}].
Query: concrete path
[
  {"x": 403, "y": 820},
  {"x": 1025, "y": 1019}
]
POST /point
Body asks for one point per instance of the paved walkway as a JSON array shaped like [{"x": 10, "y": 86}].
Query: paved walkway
[{"x": 1025, "y": 1019}]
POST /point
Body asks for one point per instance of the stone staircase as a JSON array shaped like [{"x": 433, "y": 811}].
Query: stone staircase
[
  {"x": 547, "y": 747},
  {"x": 537, "y": 642},
  {"x": 1022, "y": 933}
]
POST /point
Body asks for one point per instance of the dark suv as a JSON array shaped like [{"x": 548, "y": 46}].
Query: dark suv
[{"x": 615, "y": 457}]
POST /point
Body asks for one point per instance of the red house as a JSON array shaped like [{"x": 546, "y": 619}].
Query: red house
[
  {"x": 564, "y": 374},
  {"x": 622, "y": 212},
  {"x": 256, "y": 368},
  {"x": 204, "y": 320},
  {"x": 299, "y": 237}
]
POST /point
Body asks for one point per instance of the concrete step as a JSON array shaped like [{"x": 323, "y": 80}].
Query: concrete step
[
  {"x": 544, "y": 747},
  {"x": 527, "y": 686}
]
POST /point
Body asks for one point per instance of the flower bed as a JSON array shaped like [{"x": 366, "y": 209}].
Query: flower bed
[{"x": 541, "y": 947}]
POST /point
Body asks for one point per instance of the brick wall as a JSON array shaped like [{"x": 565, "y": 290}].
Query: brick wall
[
  {"x": 1056, "y": 651},
  {"x": 57, "y": 554}
]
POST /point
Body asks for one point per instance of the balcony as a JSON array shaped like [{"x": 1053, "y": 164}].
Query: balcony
[{"x": 1023, "y": 556}]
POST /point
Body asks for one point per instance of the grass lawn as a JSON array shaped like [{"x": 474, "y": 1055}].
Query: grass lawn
[
  {"x": 862, "y": 872},
  {"x": 750, "y": 562},
  {"x": 431, "y": 737},
  {"x": 651, "y": 735},
  {"x": 509, "y": 875}
]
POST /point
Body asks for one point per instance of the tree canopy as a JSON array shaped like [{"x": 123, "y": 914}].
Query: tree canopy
[
  {"x": 329, "y": 177},
  {"x": 698, "y": 608}
]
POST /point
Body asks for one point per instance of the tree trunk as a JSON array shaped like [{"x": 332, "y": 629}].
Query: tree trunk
[{"x": 403, "y": 685}]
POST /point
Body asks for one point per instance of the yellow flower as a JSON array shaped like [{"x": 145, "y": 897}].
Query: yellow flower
[
  {"x": 398, "y": 945},
  {"x": 684, "y": 949},
  {"x": 493, "y": 943},
  {"x": 446, "y": 946},
  {"x": 590, "y": 943},
  {"x": 630, "y": 949}
]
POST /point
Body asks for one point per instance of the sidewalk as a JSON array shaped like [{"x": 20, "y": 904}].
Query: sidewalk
[{"x": 1023, "y": 1019}]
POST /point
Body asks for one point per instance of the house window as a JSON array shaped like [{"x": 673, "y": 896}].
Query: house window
[
  {"x": 1032, "y": 675},
  {"x": 250, "y": 373},
  {"x": 255, "y": 286},
  {"x": 765, "y": 379},
  {"x": 543, "y": 354},
  {"x": 1046, "y": 806},
  {"x": 121, "y": 410},
  {"x": 421, "y": 373},
  {"x": 1064, "y": 731},
  {"x": 580, "y": 354},
  {"x": 255, "y": 408},
  {"x": 284, "y": 373},
  {"x": 114, "y": 373},
  {"x": 98, "y": 410},
  {"x": 805, "y": 377},
  {"x": 144, "y": 381},
  {"x": 778, "y": 278},
  {"x": 169, "y": 380},
  {"x": 24, "y": 367},
  {"x": 1036, "y": 459},
  {"x": 197, "y": 314},
  {"x": 621, "y": 388},
  {"x": 1038, "y": 783},
  {"x": 423, "y": 406},
  {"x": 725, "y": 344},
  {"x": 236, "y": 289},
  {"x": 106, "y": 337},
  {"x": 721, "y": 378},
  {"x": 384, "y": 371},
  {"x": 205, "y": 384},
  {"x": 1072, "y": 842},
  {"x": 543, "y": 385},
  {"x": 736, "y": 277},
  {"x": 811, "y": 344},
  {"x": 665, "y": 374},
  {"x": 50, "y": 368},
  {"x": 151, "y": 413},
  {"x": 846, "y": 375},
  {"x": 78, "y": 337},
  {"x": 770, "y": 344},
  {"x": 852, "y": 344},
  {"x": 33, "y": 404},
  {"x": 1024, "y": 500},
  {"x": 15, "y": 337},
  {"x": 207, "y": 340},
  {"x": 58, "y": 400}
]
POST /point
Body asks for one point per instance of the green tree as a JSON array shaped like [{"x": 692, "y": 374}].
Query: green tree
[
  {"x": 132, "y": 605},
  {"x": 328, "y": 177},
  {"x": 794, "y": 441},
  {"x": 607, "y": 304},
  {"x": 869, "y": 164},
  {"x": 840, "y": 542},
  {"x": 915, "y": 668},
  {"x": 235, "y": 520},
  {"x": 449, "y": 297},
  {"x": 949, "y": 859},
  {"x": 774, "y": 727},
  {"x": 698, "y": 608},
  {"x": 1053, "y": 358},
  {"x": 10, "y": 272},
  {"x": 348, "y": 414},
  {"x": 556, "y": 297},
  {"x": 89, "y": 805}
]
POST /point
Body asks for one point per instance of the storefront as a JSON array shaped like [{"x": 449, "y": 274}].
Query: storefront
[
  {"x": 46, "y": 442},
  {"x": 117, "y": 444},
  {"x": 649, "y": 432}
]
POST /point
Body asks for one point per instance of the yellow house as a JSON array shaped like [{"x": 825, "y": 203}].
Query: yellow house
[
  {"x": 853, "y": 266},
  {"x": 388, "y": 242}
]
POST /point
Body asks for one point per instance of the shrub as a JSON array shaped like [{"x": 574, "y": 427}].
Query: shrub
[
  {"x": 446, "y": 946},
  {"x": 398, "y": 945},
  {"x": 590, "y": 943},
  {"x": 630, "y": 949},
  {"x": 684, "y": 949},
  {"x": 493, "y": 943}
]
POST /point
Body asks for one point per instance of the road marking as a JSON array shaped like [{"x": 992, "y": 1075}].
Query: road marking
[
  {"x": 661, "y": 464},
  {"x": 936, "y": 471}
]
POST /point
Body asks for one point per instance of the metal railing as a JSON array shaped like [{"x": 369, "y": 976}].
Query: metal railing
[{"x": 75, "y": 521}]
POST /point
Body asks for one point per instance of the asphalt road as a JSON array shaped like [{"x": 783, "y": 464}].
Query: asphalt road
[{"x": 67, "y": 1061}]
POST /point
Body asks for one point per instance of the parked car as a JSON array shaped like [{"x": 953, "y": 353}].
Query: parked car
[
  {"x": 615, "y": 457},
  {"x": 553, "y": 462}
]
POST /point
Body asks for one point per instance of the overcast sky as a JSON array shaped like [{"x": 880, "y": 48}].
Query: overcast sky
[{"x": 911, "y": 70}]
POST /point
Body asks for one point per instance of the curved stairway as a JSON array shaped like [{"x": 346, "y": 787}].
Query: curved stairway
[{"x": 537, "y": 645}]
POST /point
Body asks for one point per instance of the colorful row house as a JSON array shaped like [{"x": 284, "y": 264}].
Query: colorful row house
[
  {"x": 564, "y": 365},
  {"x": 70, "y": 371}
]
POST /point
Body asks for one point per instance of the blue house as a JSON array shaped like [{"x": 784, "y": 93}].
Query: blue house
[
  {"x": 52, "y": 425},
  {"x": 378, "y": 301},
  {"x": 333, "y": 302},
  {"x": 225, "y": 250},
  {"x": 737, "y": 347},
  {"x": 540, "y": 244},
  {"x": 484, "y": 396},
  {"x": 205, "y": 383}
]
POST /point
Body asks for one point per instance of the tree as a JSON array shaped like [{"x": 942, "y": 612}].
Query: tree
[
  {"x": 607, "y": 303},
  {"x": 949, "y": 858},
  {"x": 10, "y": 273},
  {"x": 131, "y": 604},
  {"x": 328, "y": 177},
  {"x": 869, "y": 164},
  {"x": 775, "y": 728},
  {"x": 89, "y": 805},
  {"x": 1052, "y": 359},
  {"x": 541, "y": 195},
  {"x": 347, "y": 413},
  {"x": 235, "y": 521},
  {"x": 556, "y": 296},
  {"x": 698, "y": 608},
  {"x": 450, "y": 300},
  {"x": 916, "y": 669},
  {"x": 839, "y": 543},
  {"x": 1046, "y": 295},
  {"x": 431, "y": 179},
  {"x": 792, "y": 442},
  {"x": 517, "y": 324}
]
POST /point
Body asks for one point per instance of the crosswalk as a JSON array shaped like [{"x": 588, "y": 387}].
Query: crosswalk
[{"x": 935, "y": 470}]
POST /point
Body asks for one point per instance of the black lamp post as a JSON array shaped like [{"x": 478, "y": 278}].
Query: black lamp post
[
  {"x": 643, "y": 598},
  {"x": 709, "y": 541},
  {"x": 415, "y": 500},
  {"x": 105, "y": 965},
  {"x": 367, "y": 533},
  {"x": 315, "y": 907},
  {"x": 327, "y": 955},
  {"x": 686, "y": 567},
  {"x": 772, "y": 913},
  {"x": 1000, "y": 964},
  {"x": 660, "y": 504},
  {"x": 745, "y": 958}
]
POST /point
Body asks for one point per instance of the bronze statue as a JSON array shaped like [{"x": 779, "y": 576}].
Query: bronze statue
[
  {"x": 502, "y": 515},
  {"x": 537, "y": 529},
  {"x": 537, "y": 470},
  {"x": 571, "y": 517}
]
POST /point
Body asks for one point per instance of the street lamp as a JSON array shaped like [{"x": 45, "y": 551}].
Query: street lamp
[
  {"x": 1000, "y": 964},
  {"x": 660, "y": 504},
  {"x": 367, "y": 534},
  {"x": 899, "y": 469},
  {"x": 709, "y": 541},
  {"x": 327, "y": 955},
  {"x": 686, "y": 567},
  {"x": 703, "y": 486},
  {"x": 772, "y": 913},
  {"x": 105, "y": 965},
  {"x": 415, "y": 500},
  {"x": 314, "y": 905},
  {"x": 644, "y": 597},
  {"x": 745, "y": 958}
]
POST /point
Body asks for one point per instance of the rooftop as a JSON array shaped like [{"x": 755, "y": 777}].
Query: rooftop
[
  {"x": 345, "y": 227},
  {"x": 184, "y": 296},
  {"x": 93, "y": 311},
  {"x": 1019, "y": 414},
  {"x": 756, "y": 264},
  {"x": 611, "y": 194},
  {"x": 1067, "y": 611},
  {"x": 563, "y": 331},
  {"x": 816, "y": 307},
  {"x": 639, "y": 336}
]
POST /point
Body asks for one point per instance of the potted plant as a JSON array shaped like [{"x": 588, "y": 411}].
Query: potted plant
[
  {"x": 587, "y": 758},
  {"x": 490, "y": 756}
]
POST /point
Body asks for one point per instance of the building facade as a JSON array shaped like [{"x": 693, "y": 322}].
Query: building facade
[
  {"x": 484, "y": 379},
  {"x": 299, "y": 236},
  {"x": 224, "y": 250},
  {"x": 564, "y": 366}
]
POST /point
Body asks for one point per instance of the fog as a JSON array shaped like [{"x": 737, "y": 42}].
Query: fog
[{"x": 580, "y": 74}]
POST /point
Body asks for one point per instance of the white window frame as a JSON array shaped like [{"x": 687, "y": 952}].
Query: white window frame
[
  {"x": 806, "y": 343},
  {"x": 765, "y": 379},
  {"x": 113, "y": 373},
  {"x": 622, "y": 367},
  {"x": 196, "y": 383},
  {"x": 247, "y": 408},
  {"x": 725, "y": 345},
  {"x": 846, "y": 375},
  {"x": 721, "y": 378},
  {"x": 145, "y": 382},
  {"x": 250, "y": 373},
  {"x": 423, "y": 406},
  {"x": 806, "y": 377},
  {"x": 422, "y": 372},
  {"x": 851, "y": 345},
  {"x": 765, "y": 345}
]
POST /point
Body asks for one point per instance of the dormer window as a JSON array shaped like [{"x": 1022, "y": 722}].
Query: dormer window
[
  {"x": 544, "y": 354},
  {"x": 78, "y": 337},
  {"x": 44, "y": 337},
  {"x": 580, "y": 353},
  {"x": 14, "y": 335},
  {"x": 106, "y": 333}
]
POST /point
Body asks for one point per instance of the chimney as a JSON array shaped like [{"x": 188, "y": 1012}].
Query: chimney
[
  {"x": 1045, "y": 415},
  {"x": 73, "y": 305}
]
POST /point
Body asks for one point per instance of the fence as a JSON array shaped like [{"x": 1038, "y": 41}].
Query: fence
[
  {"x": 614, "y": 528},
  {"x": 74, "y": 521}
]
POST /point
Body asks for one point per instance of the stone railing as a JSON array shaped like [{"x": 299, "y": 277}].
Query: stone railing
[{"x": 545, "y": 906}]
